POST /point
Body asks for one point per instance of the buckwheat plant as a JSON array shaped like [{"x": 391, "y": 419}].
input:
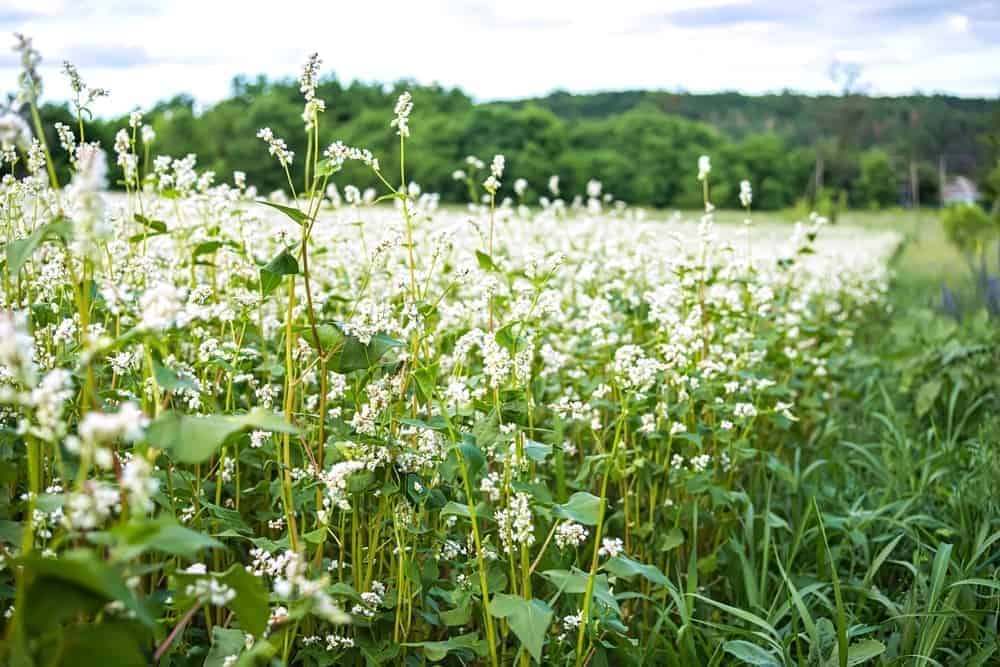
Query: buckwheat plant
[{"x": 343, "y": 425}]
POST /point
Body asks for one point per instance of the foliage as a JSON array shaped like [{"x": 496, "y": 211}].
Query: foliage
[
  {"x": 639, "y": 142},
  {"x": 967, "y": 225},
  {"x": 359, "y": 428}
]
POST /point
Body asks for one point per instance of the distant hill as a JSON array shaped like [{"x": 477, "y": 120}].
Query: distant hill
[{"x": 931, "y": 126}]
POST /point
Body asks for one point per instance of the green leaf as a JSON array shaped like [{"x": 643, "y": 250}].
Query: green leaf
[
  {"x": 858, "y": 653},
  {"x": 671, "y": 539},
  {"x": 136, "y": 238},
  {"x": 271, "y": 274},
  {"x": 452, "y": 508},
  {"x": 293, "y": 213},
  {"x": 260, "y": 654},
  {"x": 537, "y": 451},
  {"x": 251, "y": 602},
  {"x": 107, "y": 644},
  {"x": 11, "y": 532},
  {"x": 53, "y": 602},
  {"x": 436, "y": 651},
  {"x": 348, "y": 353},
  {"x": 206, "y": 248},
  {"x": 169, "y": 380},
  {"x": 474, "y": 460},
  {"x": 156, "y": 225},
  {"x": 864, "y": 651},
  {"x": 581, "y": 507},
  {"x": 226, "y": 642},
  {"x": 750, "y": 654},
  {"x": 82, "y": 570},
  {"x": 20, "y": 250},
  {"x": 164, "y": 535},
  {"x": 175, "y": 539},
  {"x": 926, "y": 396},
  {"x": 627, "y": 568},
  {"x": 460, "y": 615},
  {"x": 485, "y": 261},
  {"x": 576, "y": 582},
  {"x": 529, "y": 619},
  {"x": 193, "y": 439}
]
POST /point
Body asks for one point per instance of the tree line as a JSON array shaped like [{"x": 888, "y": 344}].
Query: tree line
[{"x": 855, "y": 150}]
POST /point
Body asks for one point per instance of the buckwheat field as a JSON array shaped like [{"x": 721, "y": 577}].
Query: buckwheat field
[{"x": 345, "y": 424}]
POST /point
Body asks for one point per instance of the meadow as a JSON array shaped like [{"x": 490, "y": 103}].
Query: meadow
[{"x": 342, "y": 424}]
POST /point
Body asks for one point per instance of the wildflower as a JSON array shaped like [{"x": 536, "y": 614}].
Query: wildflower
[
  {"x": 66, "y": 139},
  {"x": 139, "y": 484},
  {"x": 520, "y": 187},
  {"x": 404, "y": 105},
  {"x": 29, "y": 81},
  {"x": 335, "y": 480},
  {"x": 701, "y": 462},
  {"x": 514, "y": 523},
  {"x": 337, "y": 153},
  {"x": 611, "y": 547},
  {"x": 160, "y": 306},
  {"x": 91, "y": 507},
  {"x": 126, "y": 424},
  {"x": 211, "y": 591},
  {"x": 14, "y": 131},
  {"x": 746, "y": 194},
  {"x": 307, "y": 81},
  {"x": 17, "y": 347},
  {"x": 594, "y": 188},
  {"x": 704, "y": 167},
  {"x": 497, "y": 166},
  {"x": 554, "y": 185},
  {"x": 570, "y": 534},
  {"x": 276, "y": 146},
  {"x": 84, "y": 95}
]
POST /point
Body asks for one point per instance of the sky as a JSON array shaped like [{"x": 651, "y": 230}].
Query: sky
[{"x": 147, "y": 51}]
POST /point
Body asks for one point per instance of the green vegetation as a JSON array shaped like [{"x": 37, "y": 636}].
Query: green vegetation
[
  {"x": 793, "y": 147},
  {"x": 370, "y": 430}
]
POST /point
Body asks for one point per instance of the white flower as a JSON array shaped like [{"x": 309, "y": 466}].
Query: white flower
[
  {"x": 746, "y": 194},
  {"x": 611, "y": 547},
  {"x": 17, "y": 347},
  {"x": 497, "y": 166},
  {"x": 404, "y": 106},
  {"x": 570, "y": 534},
  {"x": 594, "y": 188},
  {"x": 514, "y": 523},
  {"x": 160, "y": 306},
  {"x": 126, "y": 424},
  {"x": 14, "y": 131},
  {"x": 211, "y": 591},
  {"x": 704, "y": 167},
  {"x": 276, "y": 146},
  {"x": 138, "y": 484}
]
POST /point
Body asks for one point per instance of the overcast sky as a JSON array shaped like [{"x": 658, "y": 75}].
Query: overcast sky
[{"x": 147, "y": 51}]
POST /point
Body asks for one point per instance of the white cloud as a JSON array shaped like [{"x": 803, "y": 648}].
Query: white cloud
[{"x": 145, "y": 52}]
